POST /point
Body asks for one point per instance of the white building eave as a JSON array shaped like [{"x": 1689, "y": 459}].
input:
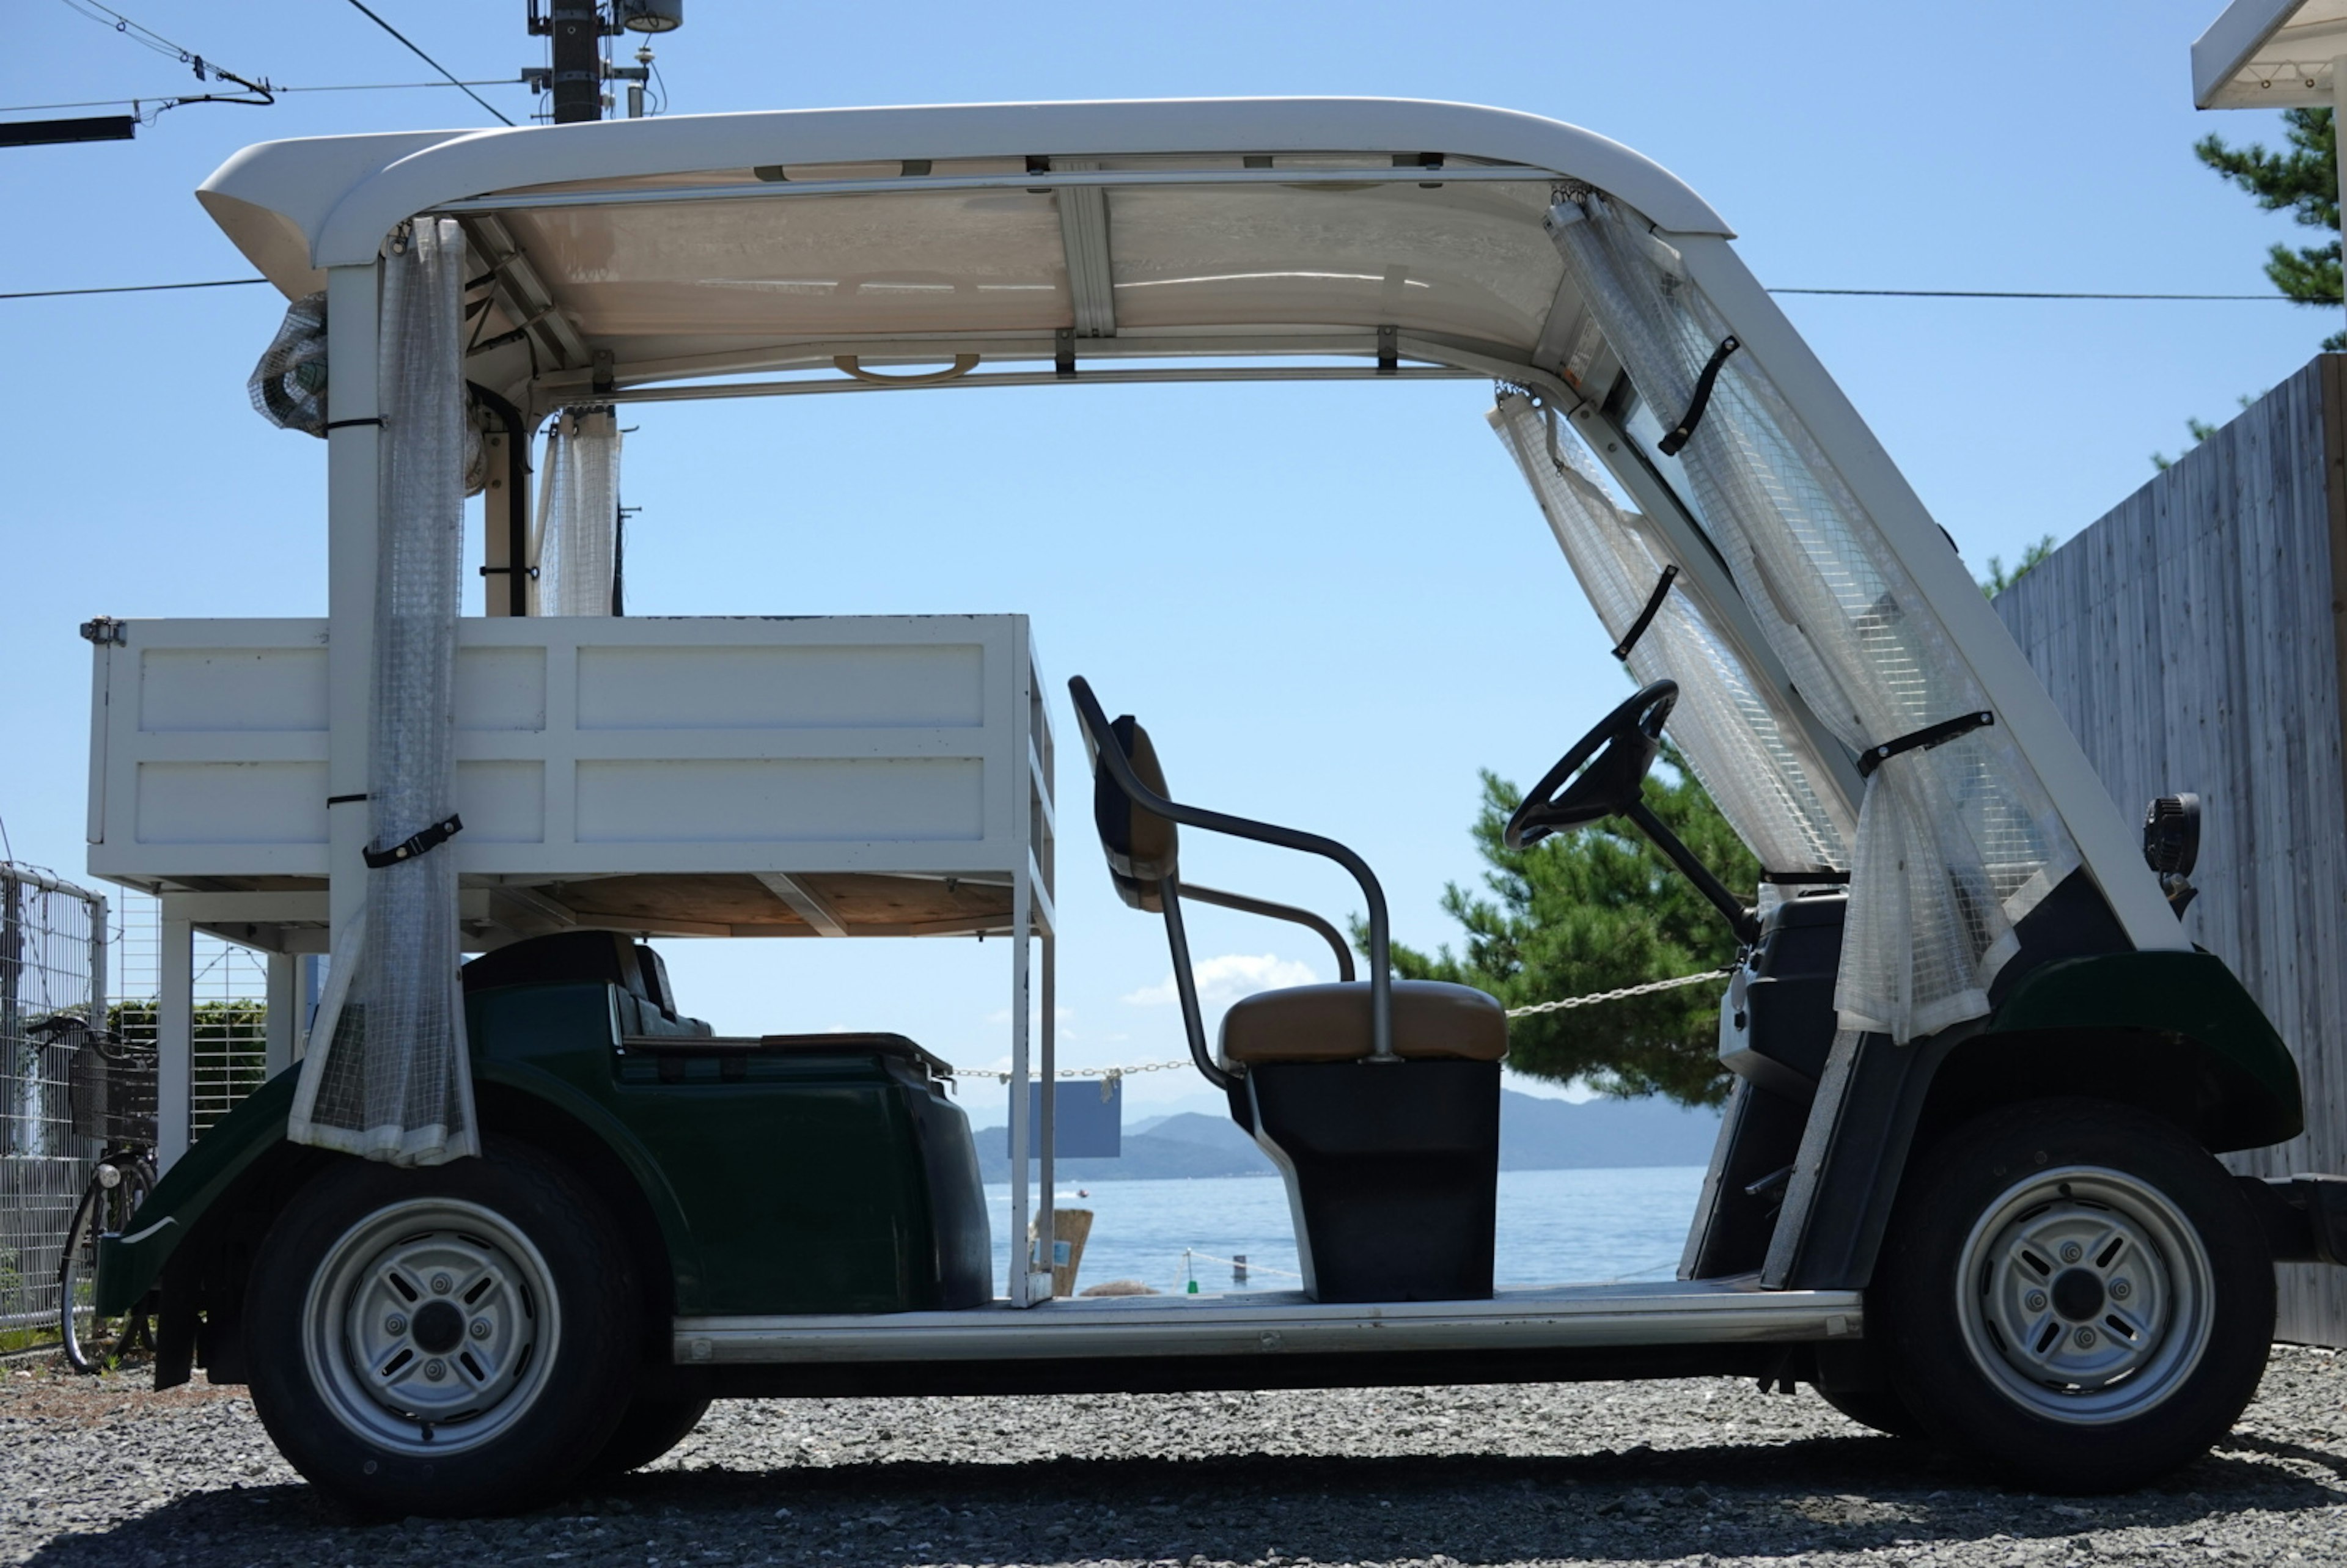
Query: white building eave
[{"x": 2270, "y": 54}]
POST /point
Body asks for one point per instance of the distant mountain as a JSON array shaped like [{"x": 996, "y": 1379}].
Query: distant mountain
[{"x": 1535, "y": 1134}]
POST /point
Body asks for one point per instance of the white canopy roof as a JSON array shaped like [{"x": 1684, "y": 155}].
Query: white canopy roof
[
  {"x": 707, "y": 244},
  {"x": 2270, "y": 54},
  {"x": 1300, "y": 239}
]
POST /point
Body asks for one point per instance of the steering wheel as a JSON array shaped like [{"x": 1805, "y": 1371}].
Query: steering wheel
[{"x": 1631, "y": 737}]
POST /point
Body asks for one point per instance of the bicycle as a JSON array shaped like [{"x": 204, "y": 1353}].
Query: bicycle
[{"x": 112, "y": 1089}]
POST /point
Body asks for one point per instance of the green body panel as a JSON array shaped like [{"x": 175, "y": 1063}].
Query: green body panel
[
  {"x": 128, "y": 1265},
  {"x": 780, "y": 1182},
  {"x": 2189, "y": 996},
  {"x": 796, "y": 1179}
]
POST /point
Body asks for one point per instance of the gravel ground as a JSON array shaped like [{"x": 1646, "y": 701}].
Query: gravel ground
[{"x": 113, "y": 1474}]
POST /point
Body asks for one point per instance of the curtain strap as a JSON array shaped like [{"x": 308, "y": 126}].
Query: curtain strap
[
  {"x": 1805, "y": 878},
  {"x": 432, "y": 837},
  {"x": 1669, "y": 445},
  {"x": 1646, "y": 616},
  {"x": 1921, "y": 740}
]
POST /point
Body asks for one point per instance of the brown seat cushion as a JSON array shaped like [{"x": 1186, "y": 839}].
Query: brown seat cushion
[{"x": 1331, "y": 1023}]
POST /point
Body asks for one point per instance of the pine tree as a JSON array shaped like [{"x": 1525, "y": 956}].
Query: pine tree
[
  {"x": 2304, "y": 179},
  {"x": 1595, "y": 910}
]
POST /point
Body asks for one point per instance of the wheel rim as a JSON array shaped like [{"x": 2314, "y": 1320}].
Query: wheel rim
[
  {"x": 2085, "y": 1294},
  {"x": 431, "y": 1327}
]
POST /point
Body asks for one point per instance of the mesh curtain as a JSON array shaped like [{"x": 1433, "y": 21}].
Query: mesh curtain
[
  {"x": 1953, "y": 844},
  {"x": 579, "y": 531},
  {"x": 386, "y": 1074},
  {"x": 1755, "y": 763}
]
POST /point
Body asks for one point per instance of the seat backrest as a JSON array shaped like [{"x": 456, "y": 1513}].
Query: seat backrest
[{"x": 1143, "y": 847}]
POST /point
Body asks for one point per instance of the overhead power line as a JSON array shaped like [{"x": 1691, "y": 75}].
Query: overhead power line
[
  {"x": 131, "y": 289},
  {"x": 257, "y": 92},
  {"x": 431, "y": 62},
  {"x": 339, "y": 87}
]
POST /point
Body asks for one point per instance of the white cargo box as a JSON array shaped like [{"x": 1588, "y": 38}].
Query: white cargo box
[{"x": 751, "y": 776}]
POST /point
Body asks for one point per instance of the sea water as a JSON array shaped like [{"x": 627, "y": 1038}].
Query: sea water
[{"x": 1555, "y": 1227}]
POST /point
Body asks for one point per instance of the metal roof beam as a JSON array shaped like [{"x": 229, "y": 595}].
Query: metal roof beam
[
  {"x": 528, "y": 305},
  {"x": 1083, "y": 233},
  {"x": 809, "y": 904}
]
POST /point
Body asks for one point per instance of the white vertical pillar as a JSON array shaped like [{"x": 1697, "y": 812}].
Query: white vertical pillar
[
  {"x": 1046, "y": 1132},
  {"x": 1023, "y": 1132},
  {"x": 284, "y": 1011},
  {"x": 175, "y": 1039},
  {"x": 353, "y": 457},
  {"x": 2338, "y": 120},
  {"x": 497, "y": 504}
]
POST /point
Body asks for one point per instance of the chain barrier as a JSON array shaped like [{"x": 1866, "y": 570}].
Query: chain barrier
[
  {"x": 1562, "y": 1005},
  {"x": 1622, "y": 995}
]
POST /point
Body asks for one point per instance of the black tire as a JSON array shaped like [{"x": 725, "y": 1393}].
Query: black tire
[
  {"x": 2076, "y": 1294},
  {"x": 94, "y": 1344},
  {"x": 651, "y": 1427},
  {"x": 1880, "y": 1409},
  {"x": 395, "y": 1324}
]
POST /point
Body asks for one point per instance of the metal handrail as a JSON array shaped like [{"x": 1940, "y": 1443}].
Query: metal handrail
[
  {"x": 1287, "y": 912},
  {"x": 1100, "y": 742}
]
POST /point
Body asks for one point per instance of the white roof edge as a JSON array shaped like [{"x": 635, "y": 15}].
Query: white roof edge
[
  {"x": 2231, "y": 39},
  {"x": 342, "y": 194}
]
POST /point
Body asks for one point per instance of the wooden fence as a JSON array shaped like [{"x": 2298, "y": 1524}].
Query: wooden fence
[{"x": 2194, "y": 638}]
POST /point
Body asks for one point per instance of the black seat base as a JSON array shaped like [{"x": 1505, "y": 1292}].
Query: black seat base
[{"x": 1392, "y": 1171}]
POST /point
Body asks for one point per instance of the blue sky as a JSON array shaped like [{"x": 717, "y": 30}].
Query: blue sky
[{"x": 1353, "y": 602}]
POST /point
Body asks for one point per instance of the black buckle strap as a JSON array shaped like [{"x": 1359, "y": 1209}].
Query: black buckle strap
[
  {"x": 432, "y": 837},
  {"x": 1670, "y": 444},
  {"x": 1922, "y": 740},
  {"x": 1646, "y": 616},
  {"x": 1805, "y": 878}
]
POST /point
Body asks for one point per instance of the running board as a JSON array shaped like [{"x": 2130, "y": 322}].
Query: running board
[{"x": 1706, "y": 1312}]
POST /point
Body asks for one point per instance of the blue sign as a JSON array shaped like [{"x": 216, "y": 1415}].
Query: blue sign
[{"x": 1088, "y": 1123}]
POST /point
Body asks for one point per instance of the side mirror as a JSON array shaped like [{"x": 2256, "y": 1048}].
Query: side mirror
[{"x": 2171, "y": 846}]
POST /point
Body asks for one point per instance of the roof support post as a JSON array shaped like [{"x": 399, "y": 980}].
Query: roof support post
[{"x": 354, "y": 464}]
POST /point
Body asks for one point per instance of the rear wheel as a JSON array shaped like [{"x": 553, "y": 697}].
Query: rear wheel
[
  {"x": 1879, "y": 1409},
  {"x": 93, "y": 1343},
  {"x": 651, "y": 1427},
  {"x": 452, "y": 1340},
  {"x": 2077, "y": 1294}
]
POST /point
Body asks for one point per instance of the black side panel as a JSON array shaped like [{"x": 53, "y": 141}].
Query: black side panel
[
  {"x": 1871, "y": 1101},
  {"x": 1758, "y": 1139},
  {"x": 1852, "y": 1154},
  {"x": 2071, "y": 922},
  {"x": 1395, "y": 1169},
  {"x": 1779, "y": 1025},
  {"x": 957, "y": 1199}
]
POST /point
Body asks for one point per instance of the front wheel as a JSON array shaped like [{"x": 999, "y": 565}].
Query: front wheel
[
  {"x": 2075, "y": 1293},
  {"x": 453, "y": 1340}
]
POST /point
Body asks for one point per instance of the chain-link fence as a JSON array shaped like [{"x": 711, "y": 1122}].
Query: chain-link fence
[
  {"x": 68, "y": 957},
  {"x": 53, "y": 984}
]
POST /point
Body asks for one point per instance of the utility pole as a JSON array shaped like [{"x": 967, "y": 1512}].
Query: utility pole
[
  {"x": 577, "y": 29},
  {"x": 576, "y": 26}
]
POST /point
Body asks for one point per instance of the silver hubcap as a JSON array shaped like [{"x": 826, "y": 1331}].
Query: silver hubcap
[
  {"x": 431, "y": 1327},
  {"x": 2085, "y": 1294}
]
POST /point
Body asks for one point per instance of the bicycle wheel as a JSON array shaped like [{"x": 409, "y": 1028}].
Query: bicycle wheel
[{"x": 92, "y": 1343}]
